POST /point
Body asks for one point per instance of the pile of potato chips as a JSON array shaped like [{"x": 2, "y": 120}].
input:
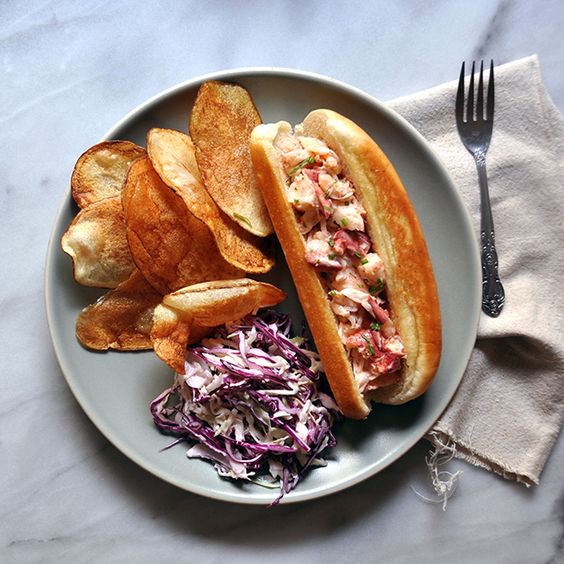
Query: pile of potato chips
[{"x": 172, "y": 231}]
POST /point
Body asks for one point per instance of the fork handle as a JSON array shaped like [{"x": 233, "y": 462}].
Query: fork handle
[{"x": 493, "y": 295}]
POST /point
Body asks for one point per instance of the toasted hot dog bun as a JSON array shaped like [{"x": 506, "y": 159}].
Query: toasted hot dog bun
[{"x": 395, "y": 232}]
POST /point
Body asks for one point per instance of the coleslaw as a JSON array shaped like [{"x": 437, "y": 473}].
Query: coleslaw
[{"x": 251, "y": 402}]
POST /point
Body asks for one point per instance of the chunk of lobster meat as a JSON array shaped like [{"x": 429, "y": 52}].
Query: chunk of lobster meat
[
  {"x": 335, "y": 188},
  {"x": 349, "y": 215},
  {"x": 371, "y": 268},
  {"x": 320, "y": 254},
  {"x": 318, "y": 148},
  {"x": 302, "y": 194},
  {"x": 354, "y": 242},
  {"x": 348, "y": 278}
]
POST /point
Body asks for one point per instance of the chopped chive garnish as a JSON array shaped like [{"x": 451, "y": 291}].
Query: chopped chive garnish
[
  {"x": 357, "y": 254},
  {"x": 375, "y": 326},
  {"x": 377, "y": 288},
  {"x": 331, "y": 242},
  {"x": 331, "y": 292},
  {"x": 242, "y": 218},
  {"x": 299, "y": 166},
  {"x": 364, "y": 261},
  {"x": 331, "y": 256},
  {"x": 344, "y": 222},
  {"x": 369, "y": 347}
]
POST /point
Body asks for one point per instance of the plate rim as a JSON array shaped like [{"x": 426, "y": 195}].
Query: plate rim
[{"x": 242, "y": 72}]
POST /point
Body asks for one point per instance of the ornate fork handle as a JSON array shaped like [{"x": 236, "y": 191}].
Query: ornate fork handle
[{"x": 493, "y": 294}]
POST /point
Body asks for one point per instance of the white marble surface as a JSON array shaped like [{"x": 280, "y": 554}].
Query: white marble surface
[{"x": 69, "y": 71}]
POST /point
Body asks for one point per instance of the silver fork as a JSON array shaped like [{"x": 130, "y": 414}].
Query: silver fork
[{"x": 476, "y": 133}]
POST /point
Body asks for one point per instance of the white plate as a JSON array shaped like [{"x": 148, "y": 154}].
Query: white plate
[{"x": 115, "y": 389}]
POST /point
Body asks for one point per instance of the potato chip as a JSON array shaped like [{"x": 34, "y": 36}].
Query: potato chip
[
  {"x": 97, "y": 244},
  {"x": 214, "y": 303},
  {"x": 170, "y": 335},
  {"x": 170, "y": 246},
  {"x": 172, "y": 155},
  {"x": 221, "y": 123},
  {"x": 183, "y": 315},
  {"x": 100, "y": 172},
  {"x": 120, "y": 319},
  {"x": 172, "y": 332}
]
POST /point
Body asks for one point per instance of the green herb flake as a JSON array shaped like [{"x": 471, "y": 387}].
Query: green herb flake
[
  {"x": 357, "y": 254},
  {"x": 331, "y": 242},
  {"x": 364, "y": 261},
  {"x": 332, "y": 293},
  {"x": 299, "y": 166},
  {"x": 243, "y": 218},
  {"x": 377, "y": 288},
  {"x": 344, "y": 222},
  {"x": 375, "y": 326},
  {"x": 369, "y": 347},
  {"x": 331, "y": 256}
]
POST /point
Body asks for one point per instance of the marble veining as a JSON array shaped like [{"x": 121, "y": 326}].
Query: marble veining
[
  {"x": 70, "y": 71},
  {"x": 558, "y": 516},
  {"x": 493, "y": 31}
]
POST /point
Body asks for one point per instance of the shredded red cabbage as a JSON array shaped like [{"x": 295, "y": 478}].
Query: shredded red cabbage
[{"x": 251, "y": 402}]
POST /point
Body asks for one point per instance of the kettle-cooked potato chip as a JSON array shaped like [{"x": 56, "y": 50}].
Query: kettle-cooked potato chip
[
  {"x": 170, "y": 246},
  {"x": 182, "y": 316},
  {"x": 122, "y": 318},
  {"x": 100, "y": 171},
  {"x": 172, "y": 155},
  {"x": 97, "y": 244},
  {"x": 172, "y": 332},
  {"x": 214, "y": 303},
  {"x": 222, "y": 119}
]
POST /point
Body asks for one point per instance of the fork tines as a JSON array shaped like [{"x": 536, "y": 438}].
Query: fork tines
[{"x": 478, "y": 114}]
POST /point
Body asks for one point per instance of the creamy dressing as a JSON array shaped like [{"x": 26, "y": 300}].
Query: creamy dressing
[{"x": 332, "y": 222}]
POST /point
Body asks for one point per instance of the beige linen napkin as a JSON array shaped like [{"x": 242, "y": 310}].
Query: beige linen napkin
[{"x": 508, "y": 410}]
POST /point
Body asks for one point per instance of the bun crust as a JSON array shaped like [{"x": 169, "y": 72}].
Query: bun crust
[{"x": 398, "y": 238}]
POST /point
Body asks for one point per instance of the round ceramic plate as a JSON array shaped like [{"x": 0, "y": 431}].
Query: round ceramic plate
[{"x": 115, "y": 388}]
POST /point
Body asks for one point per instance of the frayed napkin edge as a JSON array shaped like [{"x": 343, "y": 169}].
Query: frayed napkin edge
[{"x": 464, "y": 451}]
